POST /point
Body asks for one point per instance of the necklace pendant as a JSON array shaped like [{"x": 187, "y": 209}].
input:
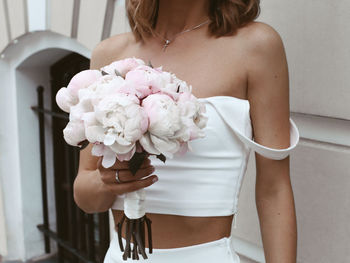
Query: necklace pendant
[{"x": 167, "y": 42}]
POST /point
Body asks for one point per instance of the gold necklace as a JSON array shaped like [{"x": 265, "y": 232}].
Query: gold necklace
[{"x": 168, "y": 41}]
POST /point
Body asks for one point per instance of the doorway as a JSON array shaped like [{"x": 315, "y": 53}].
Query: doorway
[{"x": 80, "y": 237}]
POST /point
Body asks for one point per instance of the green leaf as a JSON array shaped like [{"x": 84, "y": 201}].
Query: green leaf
[
  {"x": 161, "y": 157},
  {"x": 136, "y": 161}
]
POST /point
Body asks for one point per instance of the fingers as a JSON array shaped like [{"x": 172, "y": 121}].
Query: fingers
[
  {"x": 125, "y": 175},
  {"x": 130, "y": 182},
  {"x": 133, "y": 186}
]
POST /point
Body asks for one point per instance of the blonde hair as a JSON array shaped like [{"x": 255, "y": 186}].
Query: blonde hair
[{"x": 226, "y": 16}]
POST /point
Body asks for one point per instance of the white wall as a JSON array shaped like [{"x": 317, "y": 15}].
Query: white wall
[
  {"x": 27, "y": 80},
  {"x": 3, "y": 231},
  {"x": 21, "y": 72},
  {"x": 10, "y": 163},
  {"x": 317, "y": 43}
]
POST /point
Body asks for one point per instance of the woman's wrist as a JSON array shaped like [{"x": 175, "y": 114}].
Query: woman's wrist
[
  {"x": 104, "y": 198},
  {"x": 91, "y": 194}
]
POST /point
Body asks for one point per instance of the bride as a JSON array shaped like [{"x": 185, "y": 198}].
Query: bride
[{"x": 238, "y": 67}]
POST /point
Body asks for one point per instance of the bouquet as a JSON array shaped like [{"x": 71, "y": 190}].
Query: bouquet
[{"x": 129, "y": 110}]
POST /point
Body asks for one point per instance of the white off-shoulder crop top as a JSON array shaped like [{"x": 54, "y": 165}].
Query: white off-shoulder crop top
[{"x": 207, "y": 181}]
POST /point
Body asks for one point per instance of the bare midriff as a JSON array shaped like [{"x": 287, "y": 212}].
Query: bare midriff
[{"x": 173, "y": 231}]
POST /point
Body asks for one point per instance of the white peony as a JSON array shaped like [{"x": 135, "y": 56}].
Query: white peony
[
  {"x": 174, "y": 86},
  {"x": 192, "y": 115},
  {"x": 118, "y": 122},
  {"x": 164, "y": 125}
]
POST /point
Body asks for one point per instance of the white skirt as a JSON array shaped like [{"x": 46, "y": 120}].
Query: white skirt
[{"x": 220, "y": 250}]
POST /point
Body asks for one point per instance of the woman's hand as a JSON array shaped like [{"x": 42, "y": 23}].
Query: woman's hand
[{"x": 129, "y": 182}]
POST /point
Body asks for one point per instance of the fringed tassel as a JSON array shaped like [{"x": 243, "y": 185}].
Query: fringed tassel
[{"x": 135, "y": 233}]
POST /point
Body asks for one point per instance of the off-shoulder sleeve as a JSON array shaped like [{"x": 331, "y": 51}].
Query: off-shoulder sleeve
[
  {"x": 236, "y": 116},
  {"x": 272, "y": 153}
]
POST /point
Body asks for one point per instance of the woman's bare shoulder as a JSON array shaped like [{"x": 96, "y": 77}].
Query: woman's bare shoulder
[
  {"x": 260, "y": 37},
  {"x": 257, "y": 42},
  {"x": 110, "y": 49}
]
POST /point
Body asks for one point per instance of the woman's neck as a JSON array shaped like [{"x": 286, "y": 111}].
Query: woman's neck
[{"x": 175, "y": 16}]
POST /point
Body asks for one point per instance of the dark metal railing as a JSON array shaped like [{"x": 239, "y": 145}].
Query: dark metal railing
[{"x": 83, "y": 237}]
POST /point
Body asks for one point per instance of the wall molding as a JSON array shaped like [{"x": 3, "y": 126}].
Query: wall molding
[
  {"x": 7, "y": 19},
  {"x": 334, "y": 132},
  {"x": 107, "y": 23},
  {"x": 75, "y": 19},
  {"x": 26, "y": 16}
]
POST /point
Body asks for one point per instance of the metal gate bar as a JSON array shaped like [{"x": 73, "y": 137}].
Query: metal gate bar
[
  {"x": 40, "y": 91},
  {"x": 63, "y": 243},
  {"x": 81, "y": 241}
]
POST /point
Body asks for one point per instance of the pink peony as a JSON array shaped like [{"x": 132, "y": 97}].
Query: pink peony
[
  {"x": 68, "y": 96},
  {"x": 82, "y": 80},
  {"x": 122, "y": 66},
  {"x": 145, "y": 80}
]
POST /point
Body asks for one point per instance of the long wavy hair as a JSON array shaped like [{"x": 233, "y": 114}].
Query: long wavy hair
[{"x": 226, "y": 16}]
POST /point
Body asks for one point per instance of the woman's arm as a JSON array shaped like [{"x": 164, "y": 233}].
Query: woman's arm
[
  {"x": 93, "y": 190},
  {"x": 268, "y": 93},
  {"x": 89, "y": 191}
]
